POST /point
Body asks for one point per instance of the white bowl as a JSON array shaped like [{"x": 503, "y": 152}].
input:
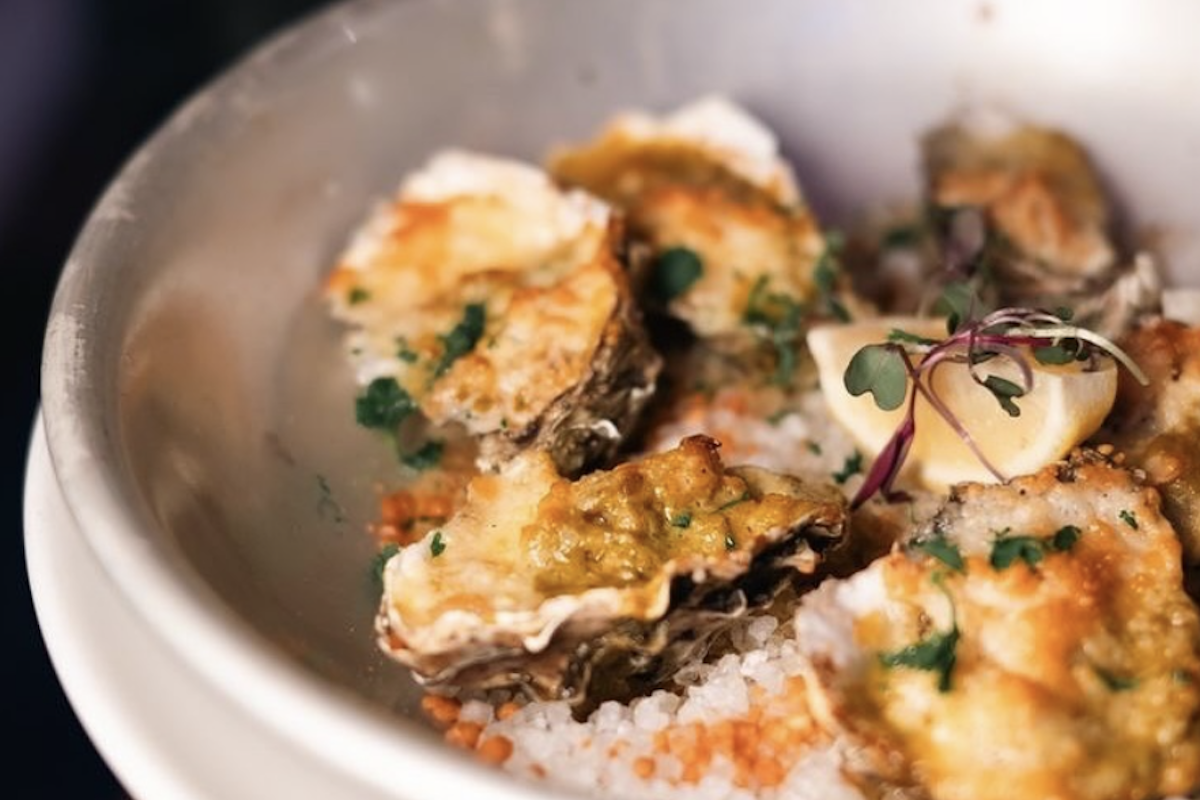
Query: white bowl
[{"x": 194, "y": 394}]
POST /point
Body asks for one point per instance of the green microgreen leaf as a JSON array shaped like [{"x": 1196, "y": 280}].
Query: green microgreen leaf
[
  {"x": 462, "y": 338},
  {"x": 958, "y": 303},
  {"x": 898, "y": 336},
  {"x": 358, "y": 295},
  {"x": 1054, "y": 354},
  {"x": 674, "y": 272},
  {"x": 437, "y": 545},
  {"x": 1004, "y": 391},
  {"x": 384, "y": 405},
  {"x": 425, "y": 457},
  {"x": 880, "y": 370},
  {"x": 852, "y": 466},
  {"x": 1129, "y": 518}
]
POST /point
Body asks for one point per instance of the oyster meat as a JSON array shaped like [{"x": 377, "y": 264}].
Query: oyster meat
[
  {"x": 590, "y": 589},
  {"x": 732, "y": 247},
  {"x": 499, "y": 303}
]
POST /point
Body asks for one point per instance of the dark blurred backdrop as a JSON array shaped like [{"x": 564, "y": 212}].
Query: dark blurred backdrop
[{"x": 82, "y": 83}]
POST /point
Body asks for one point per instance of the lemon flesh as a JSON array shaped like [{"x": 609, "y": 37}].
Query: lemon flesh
[{"x": 1066, "y": 404}]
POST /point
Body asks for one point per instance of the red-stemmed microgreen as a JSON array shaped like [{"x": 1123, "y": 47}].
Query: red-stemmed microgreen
[{"x": 1014, "y": 335}]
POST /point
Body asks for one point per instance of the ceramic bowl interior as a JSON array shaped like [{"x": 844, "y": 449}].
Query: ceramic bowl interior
[{"x": 199, "y": 409}]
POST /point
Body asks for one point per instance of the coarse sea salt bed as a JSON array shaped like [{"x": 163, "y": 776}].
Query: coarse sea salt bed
[
  {"x": 735, "y": 728},
  {"x": 738, "y": 729}
]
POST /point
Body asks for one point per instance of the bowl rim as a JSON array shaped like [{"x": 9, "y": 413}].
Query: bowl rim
[{"x": 345, "y": 730}]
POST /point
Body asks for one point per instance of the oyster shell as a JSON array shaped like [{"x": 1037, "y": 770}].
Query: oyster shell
[
  {"x": 732, "y": 246},
  {"x": 499, "y": 303},
  {"x": 1028, "y": 201},
  {"x": 591, "y": 589}
]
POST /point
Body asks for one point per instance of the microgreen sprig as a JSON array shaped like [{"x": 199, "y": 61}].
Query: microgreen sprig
[{"x": 886, "y": 370}]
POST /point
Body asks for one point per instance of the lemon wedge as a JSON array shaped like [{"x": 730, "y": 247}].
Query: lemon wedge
[{"x": 1066, "y": 404}]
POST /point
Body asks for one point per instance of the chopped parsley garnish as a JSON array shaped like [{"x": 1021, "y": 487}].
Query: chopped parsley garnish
[
  {"x": 384, "y": 405},
  {"x": 1065, "y": 538},
  {"x": 730, "y": 542},
  {"x": 935, "y": 653},
  {"x": 1114, "y": 682},
  {"x": 776, "y": 317},
  {"x": 358, "y": 295},
  {"x": 825, "y": 275},
  {"x": 814, "y": 448},
  {"x": 851, "y": 467},
  {"x": 462, "y": 338},
  {"x": 779, "y": 416},
  {"x": 735, "y": 501},
  {"x": 425, "y": 457},
  {"x": 380, "y": 561},
  {"x": 943, "y": 550},
  {"x": 681, "y": 520},
  {"x": 675, "y": 270},
  {"x": 1006, "y": 550},
  {"x": 436, "y": 545},
  {"x": 1129, "y": 518},
  {"x": 404, "y": 352}
]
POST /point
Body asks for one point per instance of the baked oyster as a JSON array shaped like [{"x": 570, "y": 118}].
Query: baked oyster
[
  {"x": 1026, "y": 203},
  {"x": 732, "y": 249},
  {"x": 488, "y": 298},
  {"x": 593, "y": 589}
]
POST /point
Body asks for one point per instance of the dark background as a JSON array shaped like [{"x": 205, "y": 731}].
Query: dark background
[{"x": 82, "y": 83}]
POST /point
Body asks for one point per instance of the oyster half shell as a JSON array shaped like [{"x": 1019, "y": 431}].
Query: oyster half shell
[
  {"x": 500, "y": 304},
  {"x": 1046, "y": 222},
  {"x": 707, "y": 181},
  {"x": 538, "y": 580}
]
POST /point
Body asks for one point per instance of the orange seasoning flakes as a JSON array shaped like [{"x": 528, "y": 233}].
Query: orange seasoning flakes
[
  {"x": 443, "y": 711},
  {"x": 763, "y": 745},
  {"x": 405, "y": 516},
  {"x": 464, "y": 734},
  {"x": 495, "y": 750}
]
